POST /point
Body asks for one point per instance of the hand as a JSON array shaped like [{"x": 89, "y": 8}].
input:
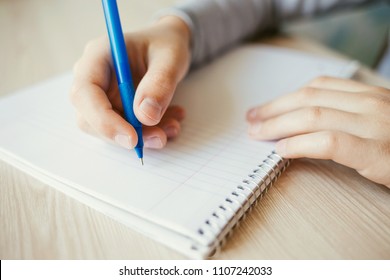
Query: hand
[
  {"x": 159, "y": 57},
  {"x": 331, "y": 118}
]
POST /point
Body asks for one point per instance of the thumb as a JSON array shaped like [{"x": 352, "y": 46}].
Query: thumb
[{"x": 155, "y": 91}]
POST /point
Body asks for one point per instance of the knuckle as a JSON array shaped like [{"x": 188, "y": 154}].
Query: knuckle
[
  {"x": 329, "y": 144},
  {"x": 319, "y": 81},
  {"x": 91, "y": 45},
  {"x": 378, "y": 101},
  {"x": 314, "y": 115},
  {"x": 96, "y": 44},
  {"x": 385, "y": 91},
  {"x": 380, "y": 90},
  {"x": 306, "y": 93},
  {"x": 385, "y": 149}
]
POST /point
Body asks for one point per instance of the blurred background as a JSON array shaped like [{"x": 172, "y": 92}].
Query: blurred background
[
  {"x": 362, "y": 34},
  {"x": 42, "y": 38}
]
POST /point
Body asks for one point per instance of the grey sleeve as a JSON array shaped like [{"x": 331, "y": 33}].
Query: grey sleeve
[{"x": 218, "y": 24}]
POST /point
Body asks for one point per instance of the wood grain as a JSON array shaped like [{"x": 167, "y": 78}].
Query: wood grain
[{"x": 316, "y": 210}]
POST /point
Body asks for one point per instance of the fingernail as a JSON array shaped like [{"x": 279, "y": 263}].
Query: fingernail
[
  {"x": 151, "y": 108},
  {"x": 252, "y": 113},
  {"x": 281, "y": 148},
  {"x": 171, "y": 131},
  {"x": 124, "y": 141},
  {"x": 154, "y": 142},
  {"x": 255, "y": 128}
]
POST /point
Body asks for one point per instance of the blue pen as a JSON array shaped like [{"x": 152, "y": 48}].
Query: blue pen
[{"x": 122, "y": 69}]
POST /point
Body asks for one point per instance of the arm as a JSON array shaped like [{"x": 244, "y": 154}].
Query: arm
[{"x": 219, "y": 24}]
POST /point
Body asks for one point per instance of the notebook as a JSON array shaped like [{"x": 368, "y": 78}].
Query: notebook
[{"x": 191, "y": 194}]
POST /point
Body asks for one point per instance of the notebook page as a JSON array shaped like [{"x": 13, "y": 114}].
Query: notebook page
[
  {"x": 225, "y": 90},
  {"x": 180, "y": 186}
]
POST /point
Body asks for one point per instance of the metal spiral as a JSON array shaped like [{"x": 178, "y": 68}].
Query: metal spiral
[{"x": 220, "y": 225}]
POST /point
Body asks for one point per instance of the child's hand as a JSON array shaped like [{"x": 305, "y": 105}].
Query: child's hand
[
  {"x": 159, "y": 58},
  {"x": 331, "y": 118}
]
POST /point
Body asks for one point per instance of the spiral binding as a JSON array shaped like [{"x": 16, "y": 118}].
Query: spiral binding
[{"x": 245, "y": 196}]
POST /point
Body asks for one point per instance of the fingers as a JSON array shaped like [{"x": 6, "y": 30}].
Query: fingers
[
  {"x": 333, "y": 83},
  {"x": 368, "y": 157},
  {"x": 310, "y": 96},
  {"x": 155, "y": 137},
  {"x": 88, "y": 95},
  {"x": 98, "y": 116},
  {"x": 92, "y": 80},
  {"x": 341, "y": 120},
  {"x": 363, "y": 114},
  {"x": 94, "y": 67},
  {"x": 159, "y": 58},
  {"x": 307, "y": 120},
  {"x": 326, "y": 92},
  {"x": 305, "y": 97},
  {"x": 169, "y": 127},
  {"x": 175, "y": 111},
  {"x": 341, "y": 147},
  {"x": 97, "y": 101},
  {"x": 166, "y": 68}
]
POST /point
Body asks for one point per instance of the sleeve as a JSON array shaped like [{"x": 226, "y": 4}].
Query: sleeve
[{"x": 219, "y": 24}]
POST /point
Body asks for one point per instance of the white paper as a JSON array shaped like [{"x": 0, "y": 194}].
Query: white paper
[{"x": 181, "y": 186}]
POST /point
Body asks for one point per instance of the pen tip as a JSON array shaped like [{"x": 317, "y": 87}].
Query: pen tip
[{"x": 142, "y": 161}]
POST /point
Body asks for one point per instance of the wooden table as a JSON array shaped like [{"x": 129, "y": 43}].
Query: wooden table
[{"x": 317, "y": 209}]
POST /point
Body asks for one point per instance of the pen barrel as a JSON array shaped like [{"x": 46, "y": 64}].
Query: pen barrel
[
  {"x": 122, "y": 68},
  {"x": 117, "y": 41},
  {"x": 127, "y": 93}
]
